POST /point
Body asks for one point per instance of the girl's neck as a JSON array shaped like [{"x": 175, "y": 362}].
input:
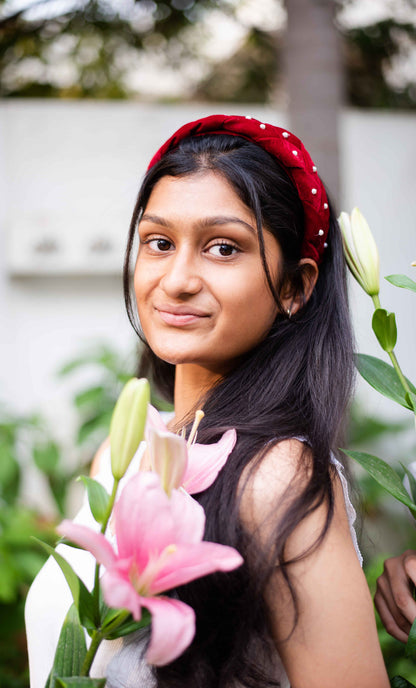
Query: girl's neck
[{"x": 192, "y": 382}]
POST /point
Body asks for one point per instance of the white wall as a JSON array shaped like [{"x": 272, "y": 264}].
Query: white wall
[
  {"x": 377, "y": 158},
  {"x": 69, "y": 172}
]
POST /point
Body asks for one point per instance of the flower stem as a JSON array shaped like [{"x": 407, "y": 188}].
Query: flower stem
[
  {"x": 393, "y": 358},
  {"x": 376, "y": 301},
  {"x": 110, "y": 505},
  {"x": 91, "y": 652},
  {"x": 399, "y": 372},
  {"x": 96, "y": 589},
  {"x": 97, "y": 637}
]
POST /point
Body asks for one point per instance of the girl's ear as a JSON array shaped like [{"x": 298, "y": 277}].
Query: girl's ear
[{"x": 295, "y": 298}]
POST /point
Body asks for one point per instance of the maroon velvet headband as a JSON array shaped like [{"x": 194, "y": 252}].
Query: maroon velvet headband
[{"x": 289, "y": 151}]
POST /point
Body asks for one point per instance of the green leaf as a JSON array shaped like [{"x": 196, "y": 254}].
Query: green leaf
[
  {"x": 402, "y": 281},
  {"x": 93, "y": 395},
  {"x": 10, "y": 474},
  {"x": 411, "y": 398},
  {"x": 46, "y": 457},
  {"x": 71, "y": 649},
  {"x": 100, "y": 421},
  {"x": 129, "y": 626},
  {"x": 385, "y": 476},
  {"x": 98, "y": 498},
  {"x": 79, "y": 682},
  {"x": 83, "y": 599},
  {"x": 383, "y": 378},
  {"x": 400, "y": 682},
  {"x": 412, "y": 481},
  {"x": 385, "y": 329},
  {"x": 411, "y": 643},
  {"x": 75, "y": 364}
]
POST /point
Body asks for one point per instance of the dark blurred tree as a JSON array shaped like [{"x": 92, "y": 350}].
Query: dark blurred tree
[
  {"x": 101, "y": 40},
  {"x": 251, "y": 75},
  {"x": 369, "y": 52}
]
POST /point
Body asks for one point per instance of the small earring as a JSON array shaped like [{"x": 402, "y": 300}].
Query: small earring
[{"x": 289, "y": 312}]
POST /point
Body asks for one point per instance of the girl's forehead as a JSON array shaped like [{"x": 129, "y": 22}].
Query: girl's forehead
[{"x": 203, "y": 192}]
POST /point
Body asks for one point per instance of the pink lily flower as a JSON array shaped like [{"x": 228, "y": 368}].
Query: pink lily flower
[
  {"x": 159, "y": 547},
  {"x": 193, "y": 467}
]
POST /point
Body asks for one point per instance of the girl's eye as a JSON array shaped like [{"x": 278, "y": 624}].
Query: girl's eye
[
  {"x": 223, "y": 250},
  {"x": 159, "y": 245}
]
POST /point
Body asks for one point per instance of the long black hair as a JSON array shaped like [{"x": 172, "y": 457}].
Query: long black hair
[{"x": 295, "y": 383}]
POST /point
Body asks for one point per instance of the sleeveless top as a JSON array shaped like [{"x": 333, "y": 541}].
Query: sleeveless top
[{"x": 121, "y": 661}]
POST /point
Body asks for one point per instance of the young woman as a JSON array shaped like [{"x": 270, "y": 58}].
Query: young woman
[{"x": 239, "y": 287}]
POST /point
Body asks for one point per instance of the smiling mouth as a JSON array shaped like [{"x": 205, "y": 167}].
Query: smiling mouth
[{"x": 180, "y": 317}]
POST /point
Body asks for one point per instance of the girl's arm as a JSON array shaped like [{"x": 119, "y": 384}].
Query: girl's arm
[{"x": 334, "y": 642}]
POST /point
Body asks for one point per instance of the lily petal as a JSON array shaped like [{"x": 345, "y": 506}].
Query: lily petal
[
  {"x": 188, "y": 516},
  {"x": 88, "y": 539},
  {"x": 173, "y": 628},
  {"x": 168, "y": 456},
  {"x": 143, "y": 519},
  {"x": 205, "y": 462},
  {"x": 119, "y": 593},
  {"x": 194, "y": 561},
  {"x": 154, "y": 420}
]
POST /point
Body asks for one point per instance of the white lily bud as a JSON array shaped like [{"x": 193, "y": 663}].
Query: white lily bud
[
  {"x": 360, "y": 251},
  {"x": 127, "y": 424},
  {"x": 168, "y": 458}
]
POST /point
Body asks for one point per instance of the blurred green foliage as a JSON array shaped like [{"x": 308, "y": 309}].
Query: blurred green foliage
[
  {"x": 88, "y": 49},
  {"x": 387, "y": 528},
  {"x": 29, "y": 444},
  {"x": 393, "y": 650},
  {"x": 20, "y": 558}
]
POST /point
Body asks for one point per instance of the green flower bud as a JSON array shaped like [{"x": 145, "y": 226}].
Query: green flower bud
[
  {"x": 360, "y": 251},
  {"x": 127, "y": 424}
]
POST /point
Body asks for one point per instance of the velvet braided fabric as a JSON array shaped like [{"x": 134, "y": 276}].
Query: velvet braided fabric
[{"x": 289, "y": 150}]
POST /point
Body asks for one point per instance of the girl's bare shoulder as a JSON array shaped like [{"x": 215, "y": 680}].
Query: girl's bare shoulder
[{"x": 273, "y": 478}]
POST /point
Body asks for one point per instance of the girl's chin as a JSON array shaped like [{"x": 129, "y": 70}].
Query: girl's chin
[
  {"x": 174, "y": 357},
  {"x": 185, "y": 358}
]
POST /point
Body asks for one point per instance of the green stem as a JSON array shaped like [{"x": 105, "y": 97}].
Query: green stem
[
  {"x": 110, "y": 506},
  {"x": 97, "y": 637},
  {"x": 393, "y": 358},
  {"x": 91, "y": 652},
  {"x": 376, "y": 301},
  {"x": 399, "y": 372},
  {"x": 96, "y": 589}
]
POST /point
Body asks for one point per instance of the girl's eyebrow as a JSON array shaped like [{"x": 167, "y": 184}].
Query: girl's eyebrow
[{"x": 216, "y": 220}]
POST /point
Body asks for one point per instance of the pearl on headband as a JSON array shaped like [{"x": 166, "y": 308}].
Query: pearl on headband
[{"x": 292, "y": 155}]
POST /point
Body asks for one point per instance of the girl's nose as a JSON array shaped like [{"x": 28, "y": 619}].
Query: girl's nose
[{"x": 181, "y": 276}]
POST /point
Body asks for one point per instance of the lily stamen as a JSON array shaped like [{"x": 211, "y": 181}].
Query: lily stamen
[{"x": 192, "y": 435}]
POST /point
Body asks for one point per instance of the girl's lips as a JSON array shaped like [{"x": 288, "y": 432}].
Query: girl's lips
[{"x": 179, "y": 319}]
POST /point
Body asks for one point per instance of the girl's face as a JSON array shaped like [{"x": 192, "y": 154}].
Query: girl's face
[{"x": 199, "y": 280}]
